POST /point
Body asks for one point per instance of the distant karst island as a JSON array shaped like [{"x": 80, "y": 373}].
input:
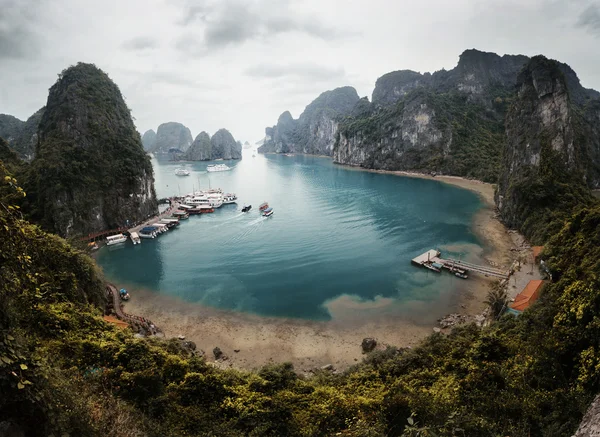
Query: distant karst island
[{"x": 175, "y": 140}]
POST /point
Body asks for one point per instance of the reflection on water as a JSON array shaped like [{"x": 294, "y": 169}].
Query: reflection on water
[{"x": 340, "y": 240}]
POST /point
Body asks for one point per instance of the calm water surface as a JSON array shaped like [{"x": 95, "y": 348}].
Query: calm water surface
[{"x": 336, "y": 232}]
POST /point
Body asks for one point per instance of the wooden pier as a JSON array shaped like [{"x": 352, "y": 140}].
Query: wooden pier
[
  {"x": 434, "y": 256},
  {"x": 166, "y": 213}
]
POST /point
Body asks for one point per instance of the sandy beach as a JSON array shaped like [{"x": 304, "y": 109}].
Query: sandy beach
[{"x": 251, "y": 341}]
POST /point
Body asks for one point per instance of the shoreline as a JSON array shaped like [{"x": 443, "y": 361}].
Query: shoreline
[{"x": 308, "y": 344}]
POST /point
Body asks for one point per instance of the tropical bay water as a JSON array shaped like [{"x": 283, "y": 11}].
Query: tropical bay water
[{"x": 336, "y": 233}]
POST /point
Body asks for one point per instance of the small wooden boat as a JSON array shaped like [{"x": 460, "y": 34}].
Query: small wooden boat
[
  {"x": 461, "y": 275},
  {"x": 431, "y": 267},
  {"x": 263, "y": 206},
  {"x": 123, "y": 294},
  {"x": 246, "y": 208}
]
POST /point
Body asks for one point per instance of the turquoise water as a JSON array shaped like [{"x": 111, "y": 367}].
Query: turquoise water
[{"x": 335, "y": 232}]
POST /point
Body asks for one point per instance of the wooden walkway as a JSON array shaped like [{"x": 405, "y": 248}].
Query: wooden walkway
[
  {"x": 166, "y": 213},
  {"x": 141, "y": 323},
  {"x": 483, "y": 270},
  {"x": 99, "y": 235},
  {"x": 434, "y": 256}
]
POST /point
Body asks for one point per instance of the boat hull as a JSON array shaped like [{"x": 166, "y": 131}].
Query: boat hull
[{"x": 119, "y": 241}]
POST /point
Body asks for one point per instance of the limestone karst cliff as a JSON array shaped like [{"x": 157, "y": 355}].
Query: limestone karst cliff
[
  {"x": 316, "y": 129},
  {"x": 21, "y": 135},
  {"x": 172, "y": 136},
  {"x": 221, "y": 145},
  {"x": 90, "y": 172},
  {"x": 149, "y": 139},
  {"x": 224, "y": 146},
  {"x": 10, "y": 127},
  {"x": 550, "y": 147},
  {"x": 200, "y": 150},
  {"x": 449, "y": 121}
]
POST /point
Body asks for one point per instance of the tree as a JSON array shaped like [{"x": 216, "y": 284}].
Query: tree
[{"x": 497, "y": 299}]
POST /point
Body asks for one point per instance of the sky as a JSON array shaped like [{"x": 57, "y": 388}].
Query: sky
[{"x": 236, "y": 64}]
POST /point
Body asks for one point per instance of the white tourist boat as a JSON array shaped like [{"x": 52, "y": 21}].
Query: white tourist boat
[
  {"x": 229, "y": 198},
  {"x": 214, "y": 200},
  {"x": 217, "y": 167},
  {"x": 182, "y": 172},
  {"x": 116, "y": 239},
  {"x": 135, "y": 238},
  {"x": 161, "y": 227}
]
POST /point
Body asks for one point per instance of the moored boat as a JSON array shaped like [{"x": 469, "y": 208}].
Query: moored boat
[
  {"x": 229, "y": 198},
  {"x": 135, "y": 238},
  {"x": 217, "y": 167},
  {"x": 182, "y": 172},
  {"x": 115, "y": 239},
  {"x": 123, "y": 294},
  {"x": 148, "y": 232},
  {"x": 181, "y": 215},
  {"x": 170, "y": 222},
  {"x": 431, "y": 267},
  {"x": 461, "y": 275},
  {"x": 161, "y": 227}
]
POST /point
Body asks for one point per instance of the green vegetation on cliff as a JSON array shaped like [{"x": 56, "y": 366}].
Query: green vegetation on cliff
[
  {"x": 90, "y": 172},
  {"x": 466, "y": 139},
  {"x": 547, "y": 162}
]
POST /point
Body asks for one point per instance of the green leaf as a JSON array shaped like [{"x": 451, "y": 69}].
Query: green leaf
[
  {"x": 6, "y": 359},
  {"x": 410, "y": 421},
  {"x": 20, "y": 386},
  {"x": 23, "y": 367},
  {"x": 10, "y": 337}
]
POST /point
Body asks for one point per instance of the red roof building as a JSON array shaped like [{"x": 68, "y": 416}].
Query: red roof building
[{"x": 530, "y": 294}]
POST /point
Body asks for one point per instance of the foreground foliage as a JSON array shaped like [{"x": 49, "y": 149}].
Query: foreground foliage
[{"x": 62, "y": 369}]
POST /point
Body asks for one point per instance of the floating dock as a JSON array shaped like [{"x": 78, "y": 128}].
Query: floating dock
[{"x": 433, "y": 256}]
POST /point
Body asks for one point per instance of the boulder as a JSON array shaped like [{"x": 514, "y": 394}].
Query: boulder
[
  {"x": 217, "y": 352},
  {"x": 368, "y": 344}
]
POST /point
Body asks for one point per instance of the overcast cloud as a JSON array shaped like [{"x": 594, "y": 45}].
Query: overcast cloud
[{"x": 240, "y": 64}]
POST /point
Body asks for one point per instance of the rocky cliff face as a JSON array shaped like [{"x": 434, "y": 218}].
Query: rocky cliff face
[
  {"x": 149, "y": 140},
  {"x": 590, "y": 424},
  {"x": 224, "y": 146},
  {"x": 200, "y": 150},
  {"x": 477, "y": 75},
  {"x": 90, "y": 172},
  {"x": 172, "y": 135},
  {"x": 21, "y": 136},
  {"x": 10, "y": 127},
  {"x": 550, "y": 145},
  {"x": 449, "y": 121},
  {"x": 315, "y": 130}
]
